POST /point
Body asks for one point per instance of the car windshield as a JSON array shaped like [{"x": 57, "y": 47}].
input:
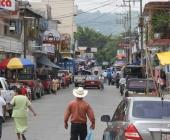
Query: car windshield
[
  {"x": 92, "y": 78},
  {"x": 151, "y": 109}
]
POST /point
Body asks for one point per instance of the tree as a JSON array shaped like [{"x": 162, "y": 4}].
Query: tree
[{"x": 106, "y": 45}]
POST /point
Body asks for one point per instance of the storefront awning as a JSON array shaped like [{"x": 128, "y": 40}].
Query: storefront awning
[
  {"x": 164, "y": 58},
  {"x": 45, "y": 61}
]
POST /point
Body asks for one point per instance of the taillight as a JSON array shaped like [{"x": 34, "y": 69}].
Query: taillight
[{"x": 131, "y": 133}]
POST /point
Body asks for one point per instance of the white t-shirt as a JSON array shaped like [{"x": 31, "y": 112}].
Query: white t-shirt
[
  {"x": 122, "y": 81},
  {"x": 2, "y": 103}
]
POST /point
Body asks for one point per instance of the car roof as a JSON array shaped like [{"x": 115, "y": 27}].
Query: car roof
[
  {"x": 147, "y": 99},
  {"x": 3, "y": 78}
]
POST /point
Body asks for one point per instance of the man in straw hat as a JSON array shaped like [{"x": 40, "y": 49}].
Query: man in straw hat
[{"x": 79, "y": 109}]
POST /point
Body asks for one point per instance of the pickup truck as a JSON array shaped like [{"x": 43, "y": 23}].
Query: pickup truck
[{"x": 7, "y": 94}]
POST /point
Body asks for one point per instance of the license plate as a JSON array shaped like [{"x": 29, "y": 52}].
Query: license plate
[
  {"x": 92, "y": 82},
  {"x": 165, "y": 136}
]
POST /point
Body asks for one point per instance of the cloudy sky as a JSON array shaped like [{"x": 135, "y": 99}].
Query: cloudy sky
[{"x": 107, "y": 5}]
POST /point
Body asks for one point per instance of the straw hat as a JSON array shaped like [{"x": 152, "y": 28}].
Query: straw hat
[{"x": 80, "y": 92}]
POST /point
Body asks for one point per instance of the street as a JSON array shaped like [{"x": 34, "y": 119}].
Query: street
[{"x": 48, "y": 124}]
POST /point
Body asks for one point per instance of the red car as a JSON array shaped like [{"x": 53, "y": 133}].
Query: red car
[{"x": 92, "y": 81}]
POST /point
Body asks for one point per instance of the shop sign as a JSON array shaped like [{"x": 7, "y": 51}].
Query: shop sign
[
  {"x": 49, "y": 48},
  {"x": 7, "y": 5}
]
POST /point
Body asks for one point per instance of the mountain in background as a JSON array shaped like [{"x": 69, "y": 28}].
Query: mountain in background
[{"x": 106, "y": 23}]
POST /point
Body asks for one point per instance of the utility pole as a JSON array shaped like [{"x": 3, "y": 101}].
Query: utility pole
[
  {"x": 141, "y": 32},
  {"x": 25, "y": 37}
]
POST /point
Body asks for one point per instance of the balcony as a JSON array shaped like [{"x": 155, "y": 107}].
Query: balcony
[{"x": 9, "y": 44}]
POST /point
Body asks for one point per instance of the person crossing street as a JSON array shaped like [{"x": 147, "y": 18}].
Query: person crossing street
[{"x": 78, "y": 110}]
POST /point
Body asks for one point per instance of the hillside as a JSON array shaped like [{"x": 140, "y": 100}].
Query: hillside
[{"x": 106, "y": 23}]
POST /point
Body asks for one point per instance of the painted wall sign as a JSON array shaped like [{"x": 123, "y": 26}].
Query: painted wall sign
[{"x": 7, "y": 5}]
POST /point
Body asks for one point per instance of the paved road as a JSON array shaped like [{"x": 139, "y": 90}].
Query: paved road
[{"x": 48, "y": 125}]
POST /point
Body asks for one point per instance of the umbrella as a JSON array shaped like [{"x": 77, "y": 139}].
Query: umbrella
[
  {"x": 26, "y": 62},
  {"x": 15, "y": 63}
]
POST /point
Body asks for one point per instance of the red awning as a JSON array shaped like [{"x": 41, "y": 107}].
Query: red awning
[
  {"x": 159, "y": 42},
  {"x": 3, "y": 63}
]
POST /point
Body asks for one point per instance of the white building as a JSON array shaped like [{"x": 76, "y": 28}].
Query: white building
[{"x": 64, "y": 11}]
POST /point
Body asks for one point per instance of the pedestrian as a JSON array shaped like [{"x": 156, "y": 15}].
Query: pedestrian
[
  {"x": 78, "y": 110},
  {"x": 101, "y": 78},
  {"x": 2, "y": 113},
  {"x": 20, "y": 104},
  {"x": 23, "y": 89}
]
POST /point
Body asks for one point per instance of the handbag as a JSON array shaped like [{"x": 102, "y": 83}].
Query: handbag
[{"x": 90, "y": 134}]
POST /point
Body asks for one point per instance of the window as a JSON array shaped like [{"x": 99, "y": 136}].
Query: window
[
  {"x": 151, "y": 109},
  {"x": 120, "y": 112}
]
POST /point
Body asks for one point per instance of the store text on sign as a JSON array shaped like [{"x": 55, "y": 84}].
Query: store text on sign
[{"x": 7, "y": 4}]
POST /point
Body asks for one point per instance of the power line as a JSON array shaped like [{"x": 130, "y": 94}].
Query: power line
[{"x": 83, "y": 12}]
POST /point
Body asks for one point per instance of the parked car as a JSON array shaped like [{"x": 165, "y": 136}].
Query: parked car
[
  {"x": 92, "y": 81},
  {"x": 36, "y": 87},
  {"x": 46, "y": 82},
  {"x": 7, "y": 94},
  {"x": 139, "y": 118},
  {"x": 140, "y": 87}
]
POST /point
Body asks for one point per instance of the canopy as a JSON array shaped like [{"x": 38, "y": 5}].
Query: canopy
[
  {"x": 45, "y": 61},
  {"x": 26, "y": 62},
  {"x": 3, "y": 63},
  {"x": 15, "y": 63},
  {"x": 164, "y": 58}
]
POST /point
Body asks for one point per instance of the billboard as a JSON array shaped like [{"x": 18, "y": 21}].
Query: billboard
[{"x": 7, "y": 5}]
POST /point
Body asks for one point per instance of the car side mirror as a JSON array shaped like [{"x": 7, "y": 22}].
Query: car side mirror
[{"x": 105, "y": 118}]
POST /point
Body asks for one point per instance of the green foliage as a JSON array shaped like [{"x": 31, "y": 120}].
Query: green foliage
[
  {"x": 161, "y": 23},
  {"x": 106, "y": 45}
]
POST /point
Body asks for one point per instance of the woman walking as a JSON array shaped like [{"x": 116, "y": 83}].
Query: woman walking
[{"x": 20, "y": 104}]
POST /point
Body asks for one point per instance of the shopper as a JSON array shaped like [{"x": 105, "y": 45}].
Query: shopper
[
  {"x": 20, "y": 104},
  {"x": 78, "y": 110}
]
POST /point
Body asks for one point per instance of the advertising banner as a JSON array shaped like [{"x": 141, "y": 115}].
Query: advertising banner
[{"x": 7, "y": 5}]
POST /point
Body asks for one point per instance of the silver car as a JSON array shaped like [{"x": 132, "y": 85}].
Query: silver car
[{"x": 139, "y": 118}]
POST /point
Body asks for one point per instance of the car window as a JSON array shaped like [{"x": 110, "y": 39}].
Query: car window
[
  {"x": 151, "y": 109},
  {"x": 120, "y": 112},
  {"x": 91, "y": 78},
  {"x": 141, "y": 84}
]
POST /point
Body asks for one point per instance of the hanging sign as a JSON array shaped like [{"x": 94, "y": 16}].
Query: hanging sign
[{"x": 7, "y": 5}]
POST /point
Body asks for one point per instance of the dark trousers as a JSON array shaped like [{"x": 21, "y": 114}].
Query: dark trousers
[
  {"x": 78, "y": 130},
  {"x": 1, "y": 121}
]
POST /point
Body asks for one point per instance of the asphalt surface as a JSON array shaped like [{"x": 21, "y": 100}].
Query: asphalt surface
[{"x": 48, "y": 124}]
